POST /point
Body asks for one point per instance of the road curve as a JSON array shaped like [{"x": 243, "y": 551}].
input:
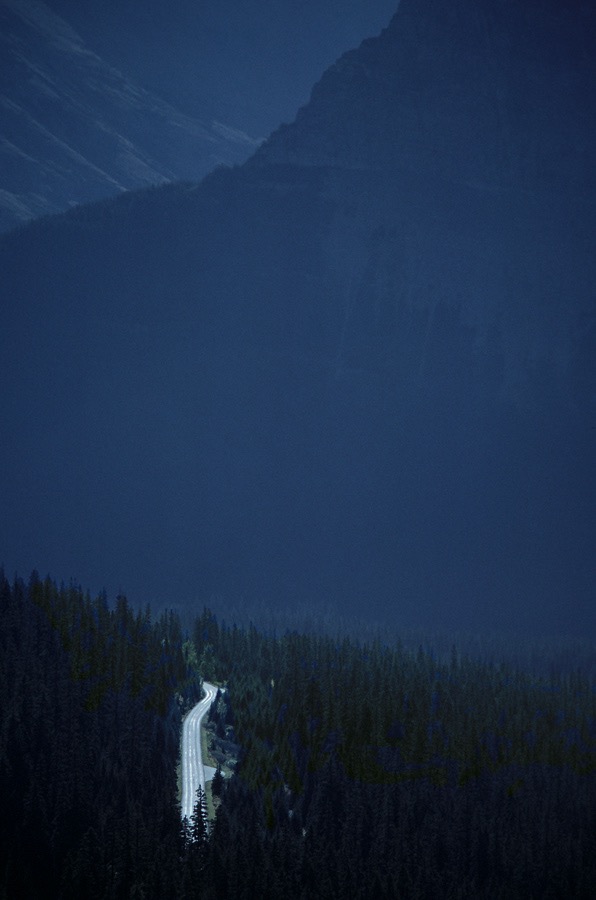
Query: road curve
[{"x": 192, "y": 773}]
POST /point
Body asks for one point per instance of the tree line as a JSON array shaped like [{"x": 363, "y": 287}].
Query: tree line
[
  {"x": 365, "y": 769},
  {"x": 375, "y": 771}
]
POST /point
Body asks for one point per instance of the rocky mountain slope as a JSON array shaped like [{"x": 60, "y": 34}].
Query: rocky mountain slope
[
  {"x": 249, "y": 63},
  {"x": 97, "y": 98},
  {"x": 357, "y": 370},
  {"x": 75, "y": 129}
]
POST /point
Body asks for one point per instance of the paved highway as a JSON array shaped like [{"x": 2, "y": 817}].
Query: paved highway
[{"x": 192, "y": 773}]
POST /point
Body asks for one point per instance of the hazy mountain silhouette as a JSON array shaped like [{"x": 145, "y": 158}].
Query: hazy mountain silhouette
[
  {"x": 76, "y": 129},
  {"x": 357, "y": 370},
  {"x": 100, "y": 98},
  {"x": 249, "y": 63}
]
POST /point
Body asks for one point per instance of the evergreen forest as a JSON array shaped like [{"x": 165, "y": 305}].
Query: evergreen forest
[{"x": 354, "y": 768}]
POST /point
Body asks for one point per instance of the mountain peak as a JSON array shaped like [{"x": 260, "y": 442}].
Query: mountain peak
[{"x": 493, "y": 93}]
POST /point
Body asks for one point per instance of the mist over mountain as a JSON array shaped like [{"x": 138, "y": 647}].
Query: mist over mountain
[{"x": 356, "y": 371}]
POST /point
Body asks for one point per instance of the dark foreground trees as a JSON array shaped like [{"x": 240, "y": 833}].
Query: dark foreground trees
[
  {"x": 88, "y": 746},
  {"x": 369, "y": 771},
  {"x": 366, "y": 770}
]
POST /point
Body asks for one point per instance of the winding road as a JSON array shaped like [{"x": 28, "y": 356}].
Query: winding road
[{"x": 192, "y": 772}]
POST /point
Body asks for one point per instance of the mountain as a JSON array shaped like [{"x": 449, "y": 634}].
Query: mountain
[
  {"x": 249, "y": 63},
  {"x": 76, "y": 129},
  {"x": 356, "y": 371},
  {"x": 100, "y": 98}
]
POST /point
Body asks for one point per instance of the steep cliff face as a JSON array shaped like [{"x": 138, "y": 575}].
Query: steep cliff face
[
  {"x": 358, "y": 369},
  {"x": 470, "y": 125}
]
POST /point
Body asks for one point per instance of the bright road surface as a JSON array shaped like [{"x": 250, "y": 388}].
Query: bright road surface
[{"x": 193, "y": 774}]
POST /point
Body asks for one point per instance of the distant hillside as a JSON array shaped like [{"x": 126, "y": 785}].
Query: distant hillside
[
  {"x": 358, "y": 369},
  {"x": 100, "y": 98},
  {"x": 74, "y": 129},
  {"x": 249, "y": 63}
]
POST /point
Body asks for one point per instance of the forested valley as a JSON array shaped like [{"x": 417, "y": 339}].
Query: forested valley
[{"x": 364, "y": 769}]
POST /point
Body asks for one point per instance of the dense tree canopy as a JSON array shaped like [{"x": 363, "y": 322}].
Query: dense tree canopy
[{"x": 365, "y": 770}]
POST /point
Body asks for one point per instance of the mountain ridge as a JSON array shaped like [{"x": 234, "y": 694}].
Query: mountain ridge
[
  {"x": 89, "y": 129},
  {"x": 368, "y": 386},
  {"x": 493, "y": 98}
]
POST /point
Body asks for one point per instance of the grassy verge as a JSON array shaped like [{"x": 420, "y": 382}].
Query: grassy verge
[{"x": 208, "y": 760}]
